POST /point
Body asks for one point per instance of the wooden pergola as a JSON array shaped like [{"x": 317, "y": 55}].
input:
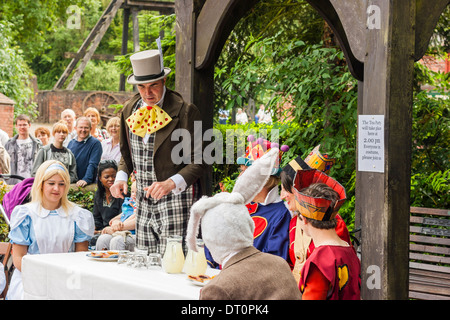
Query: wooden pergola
[{"x": 381, "y": 41}]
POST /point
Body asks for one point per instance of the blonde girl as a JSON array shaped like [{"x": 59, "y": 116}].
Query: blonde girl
[{"x": 50, "y": 223}]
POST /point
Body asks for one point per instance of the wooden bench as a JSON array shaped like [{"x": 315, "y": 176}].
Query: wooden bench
[{"x": 429, "y": 254}]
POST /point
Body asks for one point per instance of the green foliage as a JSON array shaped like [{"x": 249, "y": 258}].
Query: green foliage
[
  {"x": 431, "y": 191},
  {"x": 84, "y": 199},
  {"x": 150, "y": 28},
  {"x": 32, "y": 21},
  {"x": 108, "y": 81},
  {"x": 15, "y": 75}
]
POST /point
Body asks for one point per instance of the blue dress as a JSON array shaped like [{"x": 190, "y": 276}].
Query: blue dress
[{"x": 44, "y": 231}]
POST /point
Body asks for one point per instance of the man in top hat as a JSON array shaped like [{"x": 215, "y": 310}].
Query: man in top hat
[{"x": 166, "y": 186}]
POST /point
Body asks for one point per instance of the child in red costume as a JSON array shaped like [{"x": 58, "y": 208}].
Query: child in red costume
[
  {"x": 332, "y": 271},
  {"x": 300, "y": 245}
]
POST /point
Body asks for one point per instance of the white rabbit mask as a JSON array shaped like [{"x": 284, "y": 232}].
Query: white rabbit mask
[{"x": 226, "y": 224}]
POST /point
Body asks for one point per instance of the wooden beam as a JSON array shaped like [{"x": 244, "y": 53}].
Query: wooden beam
[
  {"x": 196, "y": 86},
  {"x": 213, "y": 26},
  {"x": 383, "y": 198},
  {"x": 135, "y": 18},
  {"x": 151, "y": 5},
  {"x": 347, "y": 20},
  {"x": 84, "y": 47},
  {"x": 427, "y": 16},
  {"x": 96, "y": 56},
  {"x": 106, "y": 18},
  {"x": 124, "y": 49}
]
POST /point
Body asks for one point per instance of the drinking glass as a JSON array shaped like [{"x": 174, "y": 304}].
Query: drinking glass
[
  {"x": 123, "y": 257},
  {"x": 154, "y": 261},
  {"x": 139, "y": 260}
]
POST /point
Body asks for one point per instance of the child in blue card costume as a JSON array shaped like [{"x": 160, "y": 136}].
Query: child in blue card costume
[{"x": 269, "y": 213}]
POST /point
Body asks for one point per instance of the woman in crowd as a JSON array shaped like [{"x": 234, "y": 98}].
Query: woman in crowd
[
  {"x": 106, "y": 206},
  {"x": 120, "y": 234},
  {"x": 43, "y": 134},
  {"x": 50, "y": 223},
  {"x": 56, "y": 151},
  {"x": 111, "y": 146},
  {"x": 96, "y": 131}
]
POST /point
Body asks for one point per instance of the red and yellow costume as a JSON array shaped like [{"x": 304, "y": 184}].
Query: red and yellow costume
[
  {"x": 301, "y": 246},
  {"x": 331, "y": 272}
]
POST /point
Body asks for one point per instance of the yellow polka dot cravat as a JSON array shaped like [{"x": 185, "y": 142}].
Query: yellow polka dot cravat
[{"x": 147, "y": 119}]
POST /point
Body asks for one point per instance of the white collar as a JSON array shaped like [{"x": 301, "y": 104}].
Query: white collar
[
  {"x": 272, "y": 197},
  {"x": 225, "y": 260},
  {"x": 42, "y": 212}
]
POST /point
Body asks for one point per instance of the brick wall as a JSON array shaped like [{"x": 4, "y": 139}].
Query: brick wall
[
  {"x": 52, "y": 102},
  {"x": 437, "y": 65},
  {"x": 6, "y": 114}
]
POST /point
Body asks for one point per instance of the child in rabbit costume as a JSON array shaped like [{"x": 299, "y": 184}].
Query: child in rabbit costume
[{"x": 227, "y": 230}]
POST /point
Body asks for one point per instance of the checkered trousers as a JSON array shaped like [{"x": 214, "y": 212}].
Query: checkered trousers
[{"x": 156, "y": 219}]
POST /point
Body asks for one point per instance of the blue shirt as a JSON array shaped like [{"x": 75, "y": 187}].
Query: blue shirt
[{"x": 87, "y": 154}]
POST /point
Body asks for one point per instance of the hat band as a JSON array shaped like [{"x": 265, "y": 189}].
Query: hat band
[{"x": 148, "y": 77}]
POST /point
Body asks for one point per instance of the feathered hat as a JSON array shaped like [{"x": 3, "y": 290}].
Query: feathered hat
[
  {"x": 316, "y": 208},
  {"x": 259, "y": 147},
  {"x": 226, "y": 225}
]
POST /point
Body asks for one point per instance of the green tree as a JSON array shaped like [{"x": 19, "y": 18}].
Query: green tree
[{"x": 15, "y": 75}]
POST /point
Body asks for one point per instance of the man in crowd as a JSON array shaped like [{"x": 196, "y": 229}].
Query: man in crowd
[
  {"x": 166, "y": 187},
  {"x": 69, "y": 117},
  {"x": 22, "y": 149},
  {"x": 87, "y": 151}
]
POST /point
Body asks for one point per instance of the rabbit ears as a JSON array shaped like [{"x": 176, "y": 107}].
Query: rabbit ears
[
  {"x": 253, "y": 179},
  {"x": 247, "y": 186}
]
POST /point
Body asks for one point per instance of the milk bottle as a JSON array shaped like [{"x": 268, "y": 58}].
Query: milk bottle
[{"x": 173, "y": 258}]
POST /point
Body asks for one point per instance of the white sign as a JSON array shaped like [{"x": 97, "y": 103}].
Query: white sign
[{"x": 371, "y": 143}]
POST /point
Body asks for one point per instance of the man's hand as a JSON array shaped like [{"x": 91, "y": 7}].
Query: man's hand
[
  {"x": 81, "y": 183},
  {"x": 159, "y": 189},
  {"x": 119, "y": 189}
]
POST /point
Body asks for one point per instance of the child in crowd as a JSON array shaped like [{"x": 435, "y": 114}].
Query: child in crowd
[
  {"x": 120, "y": 235},
  {"x": 106, "y": 207},
  {"x": 333, "y": 270},
  {"x": 57, "y": 151}
]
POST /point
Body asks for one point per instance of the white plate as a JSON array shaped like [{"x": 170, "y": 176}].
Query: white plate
[
  {"x": 110, "y": 258},
  {"x": 199, "y": 283}
]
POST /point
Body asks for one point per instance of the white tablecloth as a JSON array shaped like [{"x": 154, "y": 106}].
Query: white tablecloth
[{"x": 74, "y": 276}]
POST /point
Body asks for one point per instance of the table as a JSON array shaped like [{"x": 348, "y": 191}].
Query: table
[{"x": 63, "y": 276}]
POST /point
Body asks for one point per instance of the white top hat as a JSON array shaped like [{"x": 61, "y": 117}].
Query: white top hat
[
  {"x": 147, "y": 67},
  {"x": 225, "y": 222}
]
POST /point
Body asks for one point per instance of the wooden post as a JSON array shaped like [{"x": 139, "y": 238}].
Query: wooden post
[
  {"x": 134, "y": 13},
  {"x": 196, "y": 86},
  {"x": 124, "y": 49},
  {"x": 383, "y": 198}
]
